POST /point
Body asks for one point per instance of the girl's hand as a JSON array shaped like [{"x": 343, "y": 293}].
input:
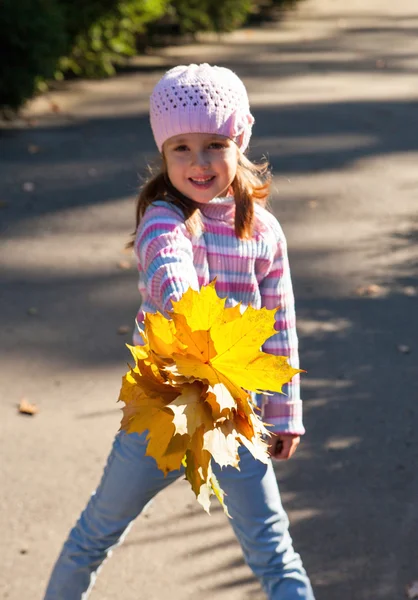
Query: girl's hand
[{"x": 283, "y": 445}]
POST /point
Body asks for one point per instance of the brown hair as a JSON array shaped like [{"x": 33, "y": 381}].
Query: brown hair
[{"x": 251, "y": 184}]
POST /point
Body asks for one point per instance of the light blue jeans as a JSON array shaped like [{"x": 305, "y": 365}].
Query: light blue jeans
[{"x": 131, "y": 479}]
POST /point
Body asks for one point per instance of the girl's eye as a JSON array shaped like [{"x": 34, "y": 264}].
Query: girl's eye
[
  {"x": 217, "y": 146},
  {"x": 181, "y": 148}
]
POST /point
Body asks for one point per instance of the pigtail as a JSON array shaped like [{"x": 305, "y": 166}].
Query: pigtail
[{"x": 251, "y": 184}]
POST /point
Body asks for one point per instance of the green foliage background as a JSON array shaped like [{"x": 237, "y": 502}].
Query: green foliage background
[
  {"x": 45, "y": 39},
  {"x": 32, "y": 37}
]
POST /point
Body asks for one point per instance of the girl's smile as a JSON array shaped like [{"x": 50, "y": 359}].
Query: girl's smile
[
  {"x": 202, "y": 182},
  {"x": 201, "y": 166}
]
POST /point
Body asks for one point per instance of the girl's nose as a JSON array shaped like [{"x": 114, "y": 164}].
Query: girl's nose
[{"x": 201, "y": 159}]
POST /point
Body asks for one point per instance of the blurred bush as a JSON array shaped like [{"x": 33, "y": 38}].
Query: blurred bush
[
  {"x": 32, "y": 38},
  {"x": 45, "y": 39},
  {"x": 103, "y": 32},
  {"x": 206, "y": 15}
]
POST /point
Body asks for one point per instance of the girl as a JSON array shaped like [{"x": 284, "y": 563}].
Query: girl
[{"x": 203, "y": 217}]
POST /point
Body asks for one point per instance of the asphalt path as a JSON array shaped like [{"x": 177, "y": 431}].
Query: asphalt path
[{"x": 334, "y": 91}]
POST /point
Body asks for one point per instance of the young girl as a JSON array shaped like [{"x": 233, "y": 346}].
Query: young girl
[{"x": 203, "y": 217}]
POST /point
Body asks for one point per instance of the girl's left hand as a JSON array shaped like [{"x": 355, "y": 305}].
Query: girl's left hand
[{"x": 283, "y": 445}]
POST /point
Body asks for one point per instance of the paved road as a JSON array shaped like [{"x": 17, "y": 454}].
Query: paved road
[{"x": 335, "y": 95}]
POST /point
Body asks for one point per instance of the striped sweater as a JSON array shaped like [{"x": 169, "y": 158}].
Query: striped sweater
[{"x": 255, "y": 272}]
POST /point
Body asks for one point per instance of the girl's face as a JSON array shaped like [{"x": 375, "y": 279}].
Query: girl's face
[{"x": 201, "y": 165}]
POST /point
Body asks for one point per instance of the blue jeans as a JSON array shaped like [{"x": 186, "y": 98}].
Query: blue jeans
[{"x": 131, "y": 479}]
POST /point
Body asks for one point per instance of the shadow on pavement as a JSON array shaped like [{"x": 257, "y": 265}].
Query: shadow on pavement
[
  {"x": 351, "y": 489},
  {"x": 99, "y": 161}
]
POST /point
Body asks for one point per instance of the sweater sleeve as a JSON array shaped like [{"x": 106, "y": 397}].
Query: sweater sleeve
[
  {"x": 282, "y": 412},
  {"x": 165, "y": 254}
]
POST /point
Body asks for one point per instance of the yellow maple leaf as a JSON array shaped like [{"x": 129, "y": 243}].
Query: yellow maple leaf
[
  {"x": 264, "y": 372},
  {"x": 197, "y": 461},
  {"x": 164, "y": 445},
  {"x": 203, "y": 314},
  {"x": 231, "y": 313},
  {"x": 190, "y": 410},
  {"x": 215, "y": 488},
  {"x": 160, "y": 334},
  {"x": 190, "y": 386},
  {"x": 221, "y": 401},
  {"x": 198, "y": 342},
  {"x": 222, "y": 443},
  {"x": 245, "y": 334}
]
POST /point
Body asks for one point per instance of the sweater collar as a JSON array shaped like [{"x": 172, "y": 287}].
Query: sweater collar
[{"x": 219, "y": 209}]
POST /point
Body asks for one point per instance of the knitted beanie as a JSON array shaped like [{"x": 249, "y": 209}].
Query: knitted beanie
[{"x": 200, "y": 99}]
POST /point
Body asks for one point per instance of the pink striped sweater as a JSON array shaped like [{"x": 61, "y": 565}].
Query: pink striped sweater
[{"x": 255, "y": 272}]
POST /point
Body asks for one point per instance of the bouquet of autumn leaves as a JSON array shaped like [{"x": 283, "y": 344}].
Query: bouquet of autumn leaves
[{"x": 191, "y": 383}]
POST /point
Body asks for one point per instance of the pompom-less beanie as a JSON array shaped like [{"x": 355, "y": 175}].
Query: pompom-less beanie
[{"x": 200, "y": 99}]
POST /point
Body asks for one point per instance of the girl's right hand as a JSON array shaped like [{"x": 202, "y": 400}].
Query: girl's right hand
[{"x": 282, "y": 446}]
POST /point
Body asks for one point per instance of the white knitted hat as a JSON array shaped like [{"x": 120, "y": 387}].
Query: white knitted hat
[{"x": 200, "y": 99}]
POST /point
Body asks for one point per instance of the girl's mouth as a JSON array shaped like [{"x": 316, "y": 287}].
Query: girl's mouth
[{"x": 202, "y": 183}]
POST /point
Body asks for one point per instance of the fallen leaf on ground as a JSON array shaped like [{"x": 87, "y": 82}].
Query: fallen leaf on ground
[
  {"x": 412, "y": 590},
  {"x": 33, "y": 149},
  {"x": 372, "y": 290},
  {"x": 30, "y": 122},
  {"x": 404, "y": 349},
  {"x": 28, "y": 186},
  {"x": 124, "y": 329},
  {"x": 26, "y": 408},
  {"x": 55, "y": 108},
  {"x": 410, "y": 290},
  {"x": 32, "y": 311},
  {"x": 190, "y": 386},
  {"x": 124, "y": 265},
  {"x": 4, "y": 203}
]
